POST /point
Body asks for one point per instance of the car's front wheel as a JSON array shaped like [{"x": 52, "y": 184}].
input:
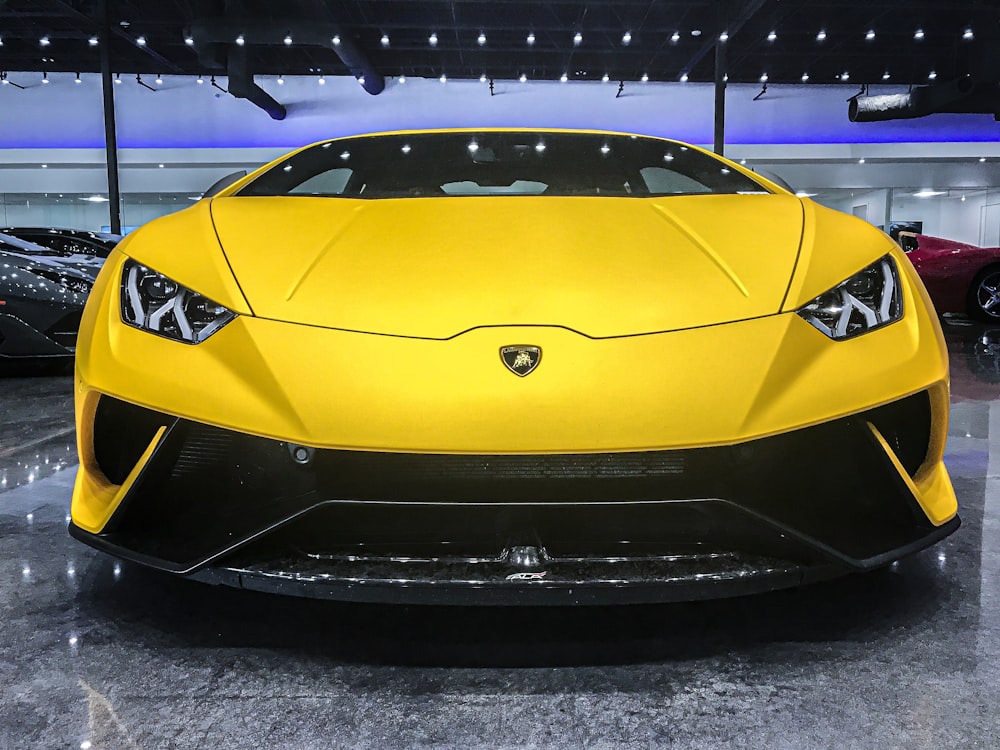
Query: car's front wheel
[{"x": 984, "y": 295}]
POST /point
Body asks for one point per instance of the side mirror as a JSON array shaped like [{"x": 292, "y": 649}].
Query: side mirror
[{"x": 219, "y": 185}]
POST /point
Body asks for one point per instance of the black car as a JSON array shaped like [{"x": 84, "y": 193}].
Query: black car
[{"x": 67, "y": 241}]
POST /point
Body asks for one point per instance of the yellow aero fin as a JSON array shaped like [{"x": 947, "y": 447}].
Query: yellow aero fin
[
  {"x": 102, "y": 497},
  {"x": 934, "y": 494}
]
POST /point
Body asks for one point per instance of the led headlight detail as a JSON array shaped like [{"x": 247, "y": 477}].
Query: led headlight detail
[
  {"x": 160, "y": 305},
  {"x": 870, "y": 299}
]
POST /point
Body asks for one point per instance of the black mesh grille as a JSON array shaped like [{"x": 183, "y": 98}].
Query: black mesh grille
[{"x": 122, "y": 432}]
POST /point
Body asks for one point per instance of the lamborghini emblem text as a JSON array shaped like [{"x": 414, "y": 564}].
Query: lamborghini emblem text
[{"x": 521, "y": 359}]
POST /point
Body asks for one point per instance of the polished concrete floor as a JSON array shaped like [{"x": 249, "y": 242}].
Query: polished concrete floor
[{"x": 100, "y": 654}]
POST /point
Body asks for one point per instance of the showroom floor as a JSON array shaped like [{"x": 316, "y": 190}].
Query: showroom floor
[{"x": 100, "y": 654}]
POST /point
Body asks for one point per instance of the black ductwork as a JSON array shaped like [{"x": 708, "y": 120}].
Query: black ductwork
[
  {"x": 208, "y": 34},
  {"x": 241, "y": 84},
  {"x": 964, "y": 96}
]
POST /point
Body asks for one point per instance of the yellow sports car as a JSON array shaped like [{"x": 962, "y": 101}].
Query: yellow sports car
[{"x": 510, "y": 366}]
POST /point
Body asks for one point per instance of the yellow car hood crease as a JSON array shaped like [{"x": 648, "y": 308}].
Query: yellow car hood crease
[{"x": 435, "y": 267}]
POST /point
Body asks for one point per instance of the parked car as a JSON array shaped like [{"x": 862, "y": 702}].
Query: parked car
[
  {"x": 959, "y": 277},
  {"x": 67, "y": 241},
  {"x": 42, "y": 295}
]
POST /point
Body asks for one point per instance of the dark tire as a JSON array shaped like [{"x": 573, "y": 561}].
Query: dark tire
[{"x": 984, "y": 295}]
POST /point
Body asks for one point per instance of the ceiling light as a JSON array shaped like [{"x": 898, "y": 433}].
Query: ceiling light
[
  {"x": 322, "y": 81},
  {"x": 199, "y": 79},
  {"x": 668, "y": 157},
  {"x": 240, "y": 40},
  {"x": 724, "y": 36},
  {"x": 627, "y": 38},
  {"x": 918, "y": 34},
  {"x": 335, "y": 40},
  {"x": 695, "y": 32},
  {"x": 281, "y": 80},
  {"x": 523, "y": 78},
  {"x": 805, "y": 77},
  {"x": 963, "y": 199},
  {"x": 92, "y": 41},
  {"x": 743, "y": 161},
  {"x": 159, "y": 80},
  {"x": 845, "y": 76},
  {"x": 967, "y": 35},
  {"x": 927, "y": 193},
  {"x": 772, "y": 36},
  {"x": 540, "y": 146},
  {"x": 684, "y": 77},
  {"x": 384, "y": 41},
  {"x": 932, "y": 75},
  {"x": 288, "y": 39},
  {"x": 45, "y": 166},
  {"x": 870, "y": 34},
  {"x": 443, "y": 78},
  {"x": 675, "y": 37},
  {"x": 982, "y": 159},
  {"x": 645, "y": 77},
  {"x": 605, "y": 149},
  {"x": 821, "y": 36},
  {"x": 78, "y": 79},
  {"x": 530, "y": 39},
  {"x": 563, "y": 78},
  {"x": 95, "y": 199},
  {"x": 188, "y": 41},
  {"x": 406, "y": 148},
  {"x": 473, "y": 147},
  {"x": 482, "y": 78},
  {"x": 481, "y": 39},
  {"x": 885, "y": 76},
  {"x": 345, "y": 155},
  {"x": 141, "y": 41},
  {"x": 432, "y": 40},
  {"x": 118, "y": 78},
  {"x": 44, "y": 41},
  {"x": 577, "y": 39},
  {"x": 605, "y": 78},
  {"x": 861, "y": 161}
]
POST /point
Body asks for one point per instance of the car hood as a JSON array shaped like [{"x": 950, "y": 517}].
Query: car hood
[{"x": 435, "y": 267}]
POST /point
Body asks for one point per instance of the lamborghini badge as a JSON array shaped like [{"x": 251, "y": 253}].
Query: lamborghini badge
[{"x": 521, "y": 360}]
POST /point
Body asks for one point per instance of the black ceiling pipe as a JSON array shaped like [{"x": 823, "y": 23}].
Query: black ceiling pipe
[
  {"x": 963, "y": 95},
  {"x": 242, "y": 86},
  {"x": 208, "y": 32}
]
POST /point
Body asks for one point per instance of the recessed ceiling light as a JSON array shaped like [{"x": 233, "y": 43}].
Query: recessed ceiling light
[
  {"x": 384, "y": 41},
  {"x": 605, "y": 78},
  {"x": 141, "y": 41},
  {"x": 675, "y": 37},
  {"x": 78, "y": 79},
  {"x": 845, "y": 76},
  {"x": 932, "y": 75},
  {"x": 523, "y": 78},
  {"x": 982, "y": 159},
  {"x": 695, "y": 32},
  {"x": 481, "y": 39},
  {"x": 118, "y": 78},
  {"x": 336, "y": 40},
  {"x": 281, "y": 80},
  {"x": 563, "y": 78},
  {"x": 918, "y": 34},
  {"x": 763, "y": 78},
  {"x": 198, "y": 80},
  {"x": 45, "y": 77},
  {"x": 885, "y": 76},
  {"x": 627, "y": 38},
  {"x": 322, "y": 81},
  {"x": 772, "y": 36},
  {"x": 861, "y": 161},
  {"x": 870, "y": 34},
  {"x": 482, "y": 78},
  {"x": 443, "y": 78},
  {"x": 684, "y": 77},
  {"x": 288, "y": 39},
  {"x": 188, "y": 41},
  {"x": 530, "y": 39},
  {"x": 240, "y": 40},
  {"x": 724, "y": 36},
  {"x": 645, "y": 77},
  {"x": 402, "y": 78},
  {"x": 159, "y": 80},
  {"x": 92, "y": 41},
  {"x": 821, "y": 36},
  {"x": 577, "y": 39},
  {"x": 805, "y": 77},
  {"x": 967, "y": 35},
  {"x": 432, "y": 40},
  {"x": 44, "y": 41}
]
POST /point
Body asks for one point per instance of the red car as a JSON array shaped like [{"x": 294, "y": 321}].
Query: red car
[{"x": 959, "y": 277}]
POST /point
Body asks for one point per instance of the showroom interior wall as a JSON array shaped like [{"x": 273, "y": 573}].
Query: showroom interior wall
[{"x": 198, "y": 133}]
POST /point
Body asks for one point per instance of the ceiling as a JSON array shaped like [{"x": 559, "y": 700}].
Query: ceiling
[{"x": 818, "y": 41}]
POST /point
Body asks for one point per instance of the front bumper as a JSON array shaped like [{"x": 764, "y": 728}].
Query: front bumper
[{"x": 236, "y": 509}]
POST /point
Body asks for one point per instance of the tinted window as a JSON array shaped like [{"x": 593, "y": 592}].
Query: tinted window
[{"x": 500, "y": 163}]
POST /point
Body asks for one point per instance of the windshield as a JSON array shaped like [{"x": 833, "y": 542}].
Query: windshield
[{"x": 499, "y": 163}]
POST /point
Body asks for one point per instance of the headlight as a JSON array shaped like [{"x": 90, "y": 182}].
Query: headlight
[
  {"x": 160, "y": 305},
  {"x": 70, "y": 283},
  {"x": 870, "y": 299}
]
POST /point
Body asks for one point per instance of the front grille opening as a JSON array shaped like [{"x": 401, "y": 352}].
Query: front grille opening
[
  {"x": 122, "y": 431},
  {"x": 64, "y": 330},
  {"x": 906, "y": 426}
]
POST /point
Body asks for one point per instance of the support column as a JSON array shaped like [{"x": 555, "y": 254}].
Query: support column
[
  {"x": 720, "y": 97},
  {"x": 110, "y": 137}
]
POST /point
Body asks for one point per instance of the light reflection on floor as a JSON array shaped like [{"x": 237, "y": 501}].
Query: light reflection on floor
[{"x": 95, "y": 653}]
